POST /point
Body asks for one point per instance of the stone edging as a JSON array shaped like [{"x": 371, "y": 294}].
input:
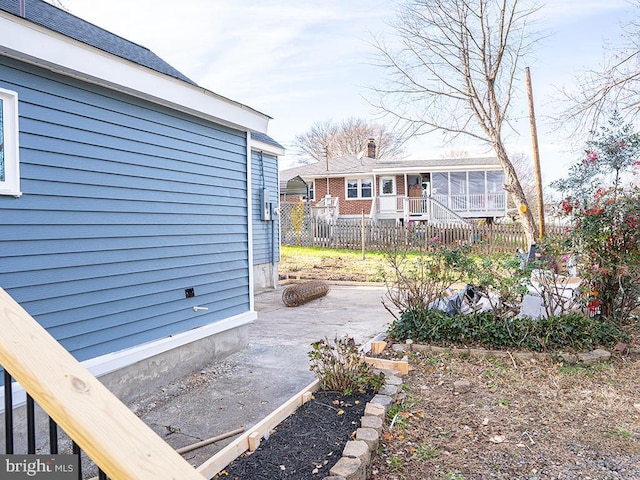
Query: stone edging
[
  {"x": 584, "y": 358},
  {"x": 357, "y": 453}
]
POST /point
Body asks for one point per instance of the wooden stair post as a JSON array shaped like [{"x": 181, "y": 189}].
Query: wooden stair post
[{"x": 121, "y": 444}]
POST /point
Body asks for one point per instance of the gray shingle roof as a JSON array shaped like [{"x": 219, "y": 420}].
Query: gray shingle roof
[
  {"x": 263, "y": 137},
  {"x": 350, "y": 165},
  {"x": 346, "y": 165},
  {"x": 53, "y": 18}
]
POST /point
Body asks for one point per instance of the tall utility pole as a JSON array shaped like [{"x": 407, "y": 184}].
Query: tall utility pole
[
  {"x": 536, "y": 155},
  {"x": 326, "y": 157}
]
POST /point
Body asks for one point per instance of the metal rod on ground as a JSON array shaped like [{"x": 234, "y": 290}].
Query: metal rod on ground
[{"x": 209, "y": 441}]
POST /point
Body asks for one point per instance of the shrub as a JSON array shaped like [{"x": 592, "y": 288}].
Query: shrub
[
  {"x": 504, "y": 282},
  {"x": 416, "y": 280},
  {"x": 572, "y": 331},
  {"x": 340, "y": 367},
  {"x": 604, "y": 216}
]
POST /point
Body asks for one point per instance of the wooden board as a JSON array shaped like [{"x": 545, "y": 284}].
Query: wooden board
[
  {"x": 252, "y": 436},
  {"x": 121, "y": 444},
  {"x": 401, "y": 366},
  {"x": 378, "y": 347}
]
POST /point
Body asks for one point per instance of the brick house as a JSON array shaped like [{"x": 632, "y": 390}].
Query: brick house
[{"x": 442, "y": 190}]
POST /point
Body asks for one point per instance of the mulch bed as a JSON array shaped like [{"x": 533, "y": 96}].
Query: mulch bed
[{"x": 307, "y": 444}]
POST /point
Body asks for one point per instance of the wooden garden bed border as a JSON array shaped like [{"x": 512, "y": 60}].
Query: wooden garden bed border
[
  {"x": 377, "y": 345},
  {"x": 250, "y": 440}
]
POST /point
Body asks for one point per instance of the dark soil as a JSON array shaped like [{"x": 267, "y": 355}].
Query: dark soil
[{"x": 307, "y": 444}]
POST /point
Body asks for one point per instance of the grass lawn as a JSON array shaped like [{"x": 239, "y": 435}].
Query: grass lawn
[
  {"x": 315, "y": 263},
  {"x": 330, "y": 264}
]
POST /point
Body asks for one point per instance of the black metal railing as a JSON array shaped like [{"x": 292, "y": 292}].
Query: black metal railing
[{"x": 31, "y": 428}]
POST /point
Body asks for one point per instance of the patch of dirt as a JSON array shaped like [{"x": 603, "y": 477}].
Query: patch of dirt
[
  {"x": 307, "y": 444},
  {"x": 323, "y": 268},
  {"x": 534, "y": 420}
]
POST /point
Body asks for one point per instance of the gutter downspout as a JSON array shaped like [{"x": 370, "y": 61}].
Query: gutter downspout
[
  {"x": 273, "y": 250},
  {"x": 272, "y": 221},
  {"x": 250, "y": 222}
]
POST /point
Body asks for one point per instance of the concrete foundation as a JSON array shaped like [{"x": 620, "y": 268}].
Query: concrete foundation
[
  {"x": 265, "y": 277},
  {"x": 137, "y": 380}
]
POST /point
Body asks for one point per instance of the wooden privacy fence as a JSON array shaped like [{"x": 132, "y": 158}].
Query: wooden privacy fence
[{"x": 352, "y": 233}]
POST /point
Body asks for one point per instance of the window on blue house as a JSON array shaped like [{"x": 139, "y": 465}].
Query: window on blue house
[{"x": 9, "y": 163}]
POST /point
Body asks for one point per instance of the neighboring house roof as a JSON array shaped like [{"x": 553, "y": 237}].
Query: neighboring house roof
[
  {"x": 351, "y": 165},
  {"x": 58, "y": 20},
  {"x": 346, "y": 165}
]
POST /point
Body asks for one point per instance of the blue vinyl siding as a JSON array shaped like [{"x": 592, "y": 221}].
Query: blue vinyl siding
[
  {"x": 125, "y": 204},
  {"x": 266, "y": 237}
]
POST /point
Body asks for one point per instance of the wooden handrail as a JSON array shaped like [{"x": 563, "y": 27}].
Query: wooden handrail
[{"x": 121, "y": 444}]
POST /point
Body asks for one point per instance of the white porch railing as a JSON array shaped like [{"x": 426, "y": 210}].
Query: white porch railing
[
  {"x": 439, "y": 208},
  {"x": 327, "y": 208},
  {"x": 477, "y": 203},
  {"x": 414, "y": 208},
  {"x": 439, "y": 214}
]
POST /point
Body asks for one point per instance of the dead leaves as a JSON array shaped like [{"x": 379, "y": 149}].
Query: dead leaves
[{"x": 514, "y": 418}]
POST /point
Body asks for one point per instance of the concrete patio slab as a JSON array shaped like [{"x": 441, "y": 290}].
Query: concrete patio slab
[{"x": 249, "y": 385}]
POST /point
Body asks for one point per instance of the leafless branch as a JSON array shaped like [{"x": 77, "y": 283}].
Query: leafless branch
[
  {"x": 452, "y": 67},
  {"x": 351, "y": 136},
  {"x": 615, "y": 87}
]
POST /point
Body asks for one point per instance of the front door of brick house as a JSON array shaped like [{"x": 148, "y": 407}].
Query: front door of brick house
[{"x": 388, "y": 198}]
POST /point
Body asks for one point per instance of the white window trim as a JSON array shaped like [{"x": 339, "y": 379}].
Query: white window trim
[
  {"x": 359, "y": 180},
  {"x": 11, "y": 183},
  {"x": 312, "y": 189},
  {"x": 394, "y": 188}
]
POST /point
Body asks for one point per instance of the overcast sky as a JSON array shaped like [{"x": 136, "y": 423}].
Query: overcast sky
[{"x": 302, "y": 61}]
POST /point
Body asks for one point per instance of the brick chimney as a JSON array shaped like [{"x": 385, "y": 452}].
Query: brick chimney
[{"x": 371, "y": 148}]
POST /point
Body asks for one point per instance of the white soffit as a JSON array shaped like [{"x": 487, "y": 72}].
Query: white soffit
[
  {"x": 435, "y": 168},
  {"x": 266, "y": 147},
  {"x": 26, "y": 41}
]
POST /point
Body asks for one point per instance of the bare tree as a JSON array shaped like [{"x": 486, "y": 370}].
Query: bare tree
[
  {"x": 523, "y": 165},
  {"x": 350, "y": 136},
  {"x": 454, "y": 70},
  {"x": 454, "y": 153},
  {"x": 615, "y": 87}
]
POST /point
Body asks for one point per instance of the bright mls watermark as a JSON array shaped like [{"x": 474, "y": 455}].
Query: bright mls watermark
[{"x": 39, "y": 467}]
